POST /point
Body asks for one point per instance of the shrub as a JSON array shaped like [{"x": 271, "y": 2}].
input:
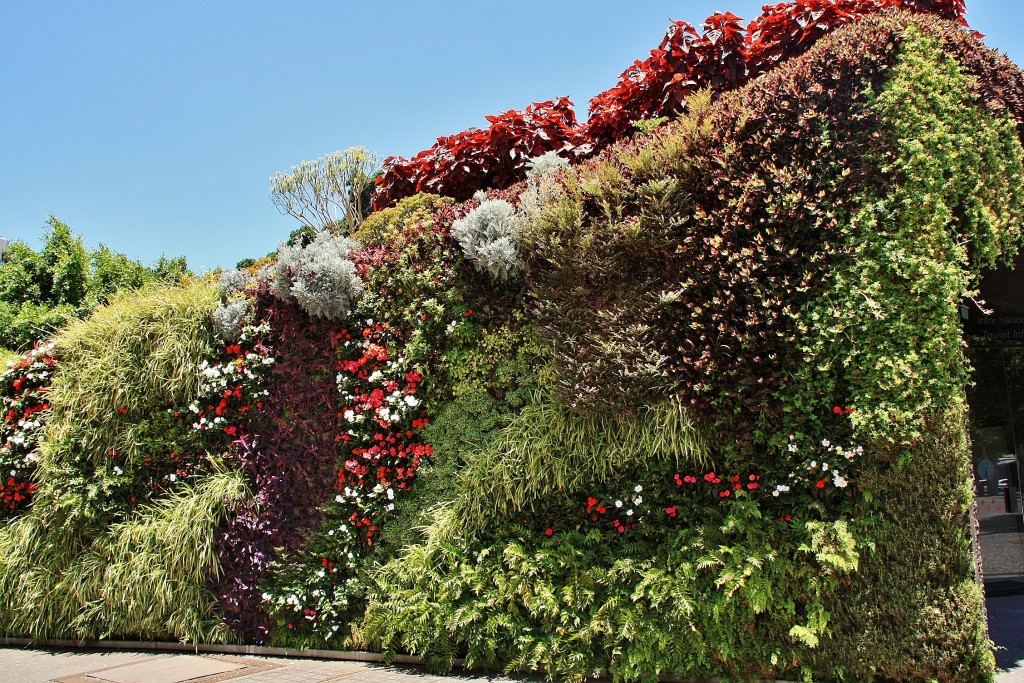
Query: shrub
[
  {"x": 489, "y": 235},
  {"x": 320, "y": 277},
  {"x": 460, "y": 165},
  {"x": 141, "y": 352},
  {"x": 229, "y": 317},
  {"x": 143, "y": 577},
  {"x": 234, "y": 309},
  {"x": 24, "y": 408},
  {"x": 724, "y": 56},
  {"x": 546, "y": 163},
  {"x": 787, "y": 262}
]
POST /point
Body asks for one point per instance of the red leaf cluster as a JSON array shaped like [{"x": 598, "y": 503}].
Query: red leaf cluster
[
  {"x": 684, "y": 62},
  {"x": 459, "y": 165},
  {"x": 722, "y": 57}
]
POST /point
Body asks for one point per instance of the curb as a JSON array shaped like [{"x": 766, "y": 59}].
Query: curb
[{"x": 256, "y": 650}]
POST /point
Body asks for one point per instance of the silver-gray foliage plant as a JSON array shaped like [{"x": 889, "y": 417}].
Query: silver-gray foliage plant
[
  {"x": 233, "y": 281},
  {"x": 230, "y": 317},
  {"x": 320, "y": 277},
  {"x": 234, "y": 309},
  {"x": 489, "y": 235},
  {"x": 546, "y": 164}
]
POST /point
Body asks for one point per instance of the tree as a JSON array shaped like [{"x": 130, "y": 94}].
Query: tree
[
  {"x": 42, "y": 291},
  {"x": 68, "y": 263},
  {"x": 331, "y": 193}
]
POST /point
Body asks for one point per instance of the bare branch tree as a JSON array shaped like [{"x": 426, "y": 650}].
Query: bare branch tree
[{"x": 328, "y": 193}]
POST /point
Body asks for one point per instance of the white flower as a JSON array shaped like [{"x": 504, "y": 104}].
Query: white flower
[
  {"x": 618, "y": 503},
  {"x": 638, "y": 500},
  {"x": 814, "y": 463},
  {"x": 638, "y": 488},
  {"x": 629, "y": 513},
  {"x": 411, "y": 401},
  {"x": 824, "y": 467},
  {"x": 839, "y": 481},
  {"x": 826, "y": 443},
  {"x": 793, "y": 448}
]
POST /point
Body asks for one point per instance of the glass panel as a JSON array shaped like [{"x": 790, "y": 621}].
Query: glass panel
[{"x": 997, "y": 425}]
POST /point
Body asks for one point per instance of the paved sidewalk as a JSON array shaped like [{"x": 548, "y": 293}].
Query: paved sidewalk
[
  {"x": 19, "y": 665},
  {"x": 1006, "y": 629},
  {"x": 25, "y": 665}
]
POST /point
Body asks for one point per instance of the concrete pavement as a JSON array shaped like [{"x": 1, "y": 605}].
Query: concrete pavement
[
  {"x": 20, "y": 665},
  {"x": 1006, "y": 629},
  {"x": 46, "y": 665}
]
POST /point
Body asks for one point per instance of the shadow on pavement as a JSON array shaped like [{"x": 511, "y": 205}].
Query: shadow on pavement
[{"x": 1005, "y": 622}]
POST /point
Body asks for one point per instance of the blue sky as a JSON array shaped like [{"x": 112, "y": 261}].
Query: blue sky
[{"x": 154, "y": 127}]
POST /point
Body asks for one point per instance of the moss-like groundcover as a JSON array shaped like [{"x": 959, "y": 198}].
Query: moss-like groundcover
[{"x": 692, "y": 407}]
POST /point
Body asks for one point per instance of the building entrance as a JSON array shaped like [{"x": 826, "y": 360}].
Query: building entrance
[{"x": 997, "y": 444}]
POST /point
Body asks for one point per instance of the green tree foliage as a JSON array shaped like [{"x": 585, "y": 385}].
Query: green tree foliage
[{"x": 41, "y": 292}]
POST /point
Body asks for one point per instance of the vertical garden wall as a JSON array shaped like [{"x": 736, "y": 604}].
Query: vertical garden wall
[{"x": 693, "y": 406}]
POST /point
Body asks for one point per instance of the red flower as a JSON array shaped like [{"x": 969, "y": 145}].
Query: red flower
[
  {"x": 671, "y": 512},
  {"x": 725, "y": 494},
  {"x": 549, "y": 531},
  {"x": 821, "y": 483},
  {"x": 122, "y": 410},
  {"x": 837, "y": 410},
  {"x": 231, "y": 430},
  {"x": 752, "y": 486}
]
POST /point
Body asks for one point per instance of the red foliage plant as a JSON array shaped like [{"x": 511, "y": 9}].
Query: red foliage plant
[
  {"x": 459, "y": 165},
  {"x": 726, "y": 55}
]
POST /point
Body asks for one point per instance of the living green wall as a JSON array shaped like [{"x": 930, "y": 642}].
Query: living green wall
[
  {"x": 788, "y": 262},
  {"x": 709, "y": 423}
]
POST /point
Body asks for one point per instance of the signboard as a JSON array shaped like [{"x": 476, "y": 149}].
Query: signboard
[{"x": 996, "y": 323}]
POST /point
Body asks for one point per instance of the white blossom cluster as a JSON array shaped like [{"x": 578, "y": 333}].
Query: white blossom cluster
[
  {"x": 18, "y": 441},
  {"x": 248, "y": 370},
  {"x": 632, "y": 504},
  {"x": 824, "y": 465},
  {"x": 393, "y": 404}
]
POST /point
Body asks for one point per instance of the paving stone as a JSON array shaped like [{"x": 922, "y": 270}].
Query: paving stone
[{"x": 177, "y": 669}]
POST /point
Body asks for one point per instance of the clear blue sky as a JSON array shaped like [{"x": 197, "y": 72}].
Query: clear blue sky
[{"x": 154, "y": 127}]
